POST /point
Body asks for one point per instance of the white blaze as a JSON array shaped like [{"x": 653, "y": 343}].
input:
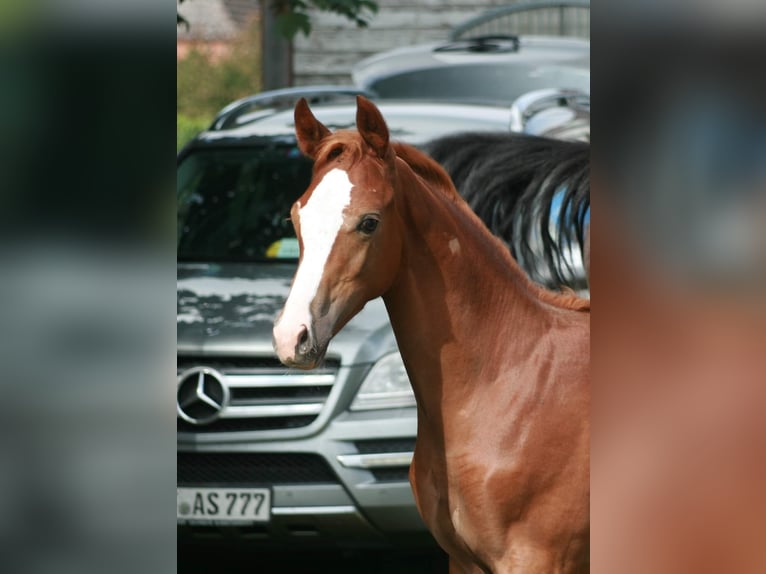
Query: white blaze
[{"x": 321, "y": 219}]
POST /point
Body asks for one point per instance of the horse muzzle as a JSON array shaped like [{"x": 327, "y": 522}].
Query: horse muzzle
[{"x": 297, "y": 348}]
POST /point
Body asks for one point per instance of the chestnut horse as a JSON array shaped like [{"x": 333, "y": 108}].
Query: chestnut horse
[{"x": 498, "y": 364}]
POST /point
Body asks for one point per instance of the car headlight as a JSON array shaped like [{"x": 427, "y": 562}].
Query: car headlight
[{"x": 386, "y": 386}]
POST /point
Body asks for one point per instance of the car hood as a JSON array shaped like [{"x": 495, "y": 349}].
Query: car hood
[
  {"x": 424, "y": 71},
  {"x": 229, "y": 309}
]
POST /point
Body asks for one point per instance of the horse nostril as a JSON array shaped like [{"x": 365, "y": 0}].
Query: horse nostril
[{"x": 303, "y": 340}]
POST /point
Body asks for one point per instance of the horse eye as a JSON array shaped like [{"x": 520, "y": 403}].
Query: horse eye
[{"x": 368, "y": 225}]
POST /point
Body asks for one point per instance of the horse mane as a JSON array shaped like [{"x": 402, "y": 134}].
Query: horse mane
[
  {"x": 437, "y": 178},
  {"x": 510, "y": 180},
  {"x": 426, "y": 168}
]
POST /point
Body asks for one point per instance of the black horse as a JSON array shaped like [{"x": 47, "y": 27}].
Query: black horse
[{"x": 532, "y": 192}]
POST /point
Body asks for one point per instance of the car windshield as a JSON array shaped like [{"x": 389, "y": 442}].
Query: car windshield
[{"x": 234, "y": 203}]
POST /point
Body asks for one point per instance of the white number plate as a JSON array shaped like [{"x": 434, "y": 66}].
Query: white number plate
[{"x": 223, "y": 505}]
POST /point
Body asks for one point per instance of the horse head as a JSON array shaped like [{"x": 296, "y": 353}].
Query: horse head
[{"x": 347, "y": 229}]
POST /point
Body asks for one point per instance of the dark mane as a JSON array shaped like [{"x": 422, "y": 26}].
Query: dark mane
[
  {"x": 510, "y": 180},
  {"x": 436, "y": 176}
]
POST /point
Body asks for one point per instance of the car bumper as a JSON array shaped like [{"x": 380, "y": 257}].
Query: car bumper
[{"x": 361, "y": 499}]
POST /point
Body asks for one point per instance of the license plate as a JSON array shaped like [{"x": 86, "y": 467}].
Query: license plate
[{"x": 223, "y": 505}]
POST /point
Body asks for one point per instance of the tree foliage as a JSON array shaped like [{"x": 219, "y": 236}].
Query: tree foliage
[{"x": 292, "y": 16}]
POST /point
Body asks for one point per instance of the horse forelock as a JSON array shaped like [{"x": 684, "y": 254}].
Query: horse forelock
[
  {"x": 355, "y": 148},
  {"x": 351, "y": 142}
]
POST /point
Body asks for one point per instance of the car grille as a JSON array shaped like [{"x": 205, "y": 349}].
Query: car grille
[
  {"x": 263, "y": 394},
  {"x": 374, "y": 446},
  {"x": 202, "y": 468},
  {"x": 396, "y": 474}
]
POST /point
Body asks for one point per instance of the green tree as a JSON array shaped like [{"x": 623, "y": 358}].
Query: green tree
[{"x": 293, "y": 15}]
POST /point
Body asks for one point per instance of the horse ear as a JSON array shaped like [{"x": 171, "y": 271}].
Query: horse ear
[
  {"x": 371, "y": 126},
  {"x": 309, "y": 130}
]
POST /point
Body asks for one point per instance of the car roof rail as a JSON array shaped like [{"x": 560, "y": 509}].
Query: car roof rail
[
  {"x": 247, "y": 109},
  {"x": 527, "y": 105}
]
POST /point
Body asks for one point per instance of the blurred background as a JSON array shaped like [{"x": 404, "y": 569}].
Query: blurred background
[
  {"x": 678, "y": 260},
  {"x": 86, "y": 286}
]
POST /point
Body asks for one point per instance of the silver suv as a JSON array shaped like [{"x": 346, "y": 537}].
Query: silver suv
[{"x": 267, "y": 454}]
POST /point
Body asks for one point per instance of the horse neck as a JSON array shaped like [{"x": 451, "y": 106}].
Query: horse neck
[{"x": 459, "y": 294}]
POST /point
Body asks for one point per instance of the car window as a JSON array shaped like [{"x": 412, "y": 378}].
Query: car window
[{"x": 234, "y": 203}]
